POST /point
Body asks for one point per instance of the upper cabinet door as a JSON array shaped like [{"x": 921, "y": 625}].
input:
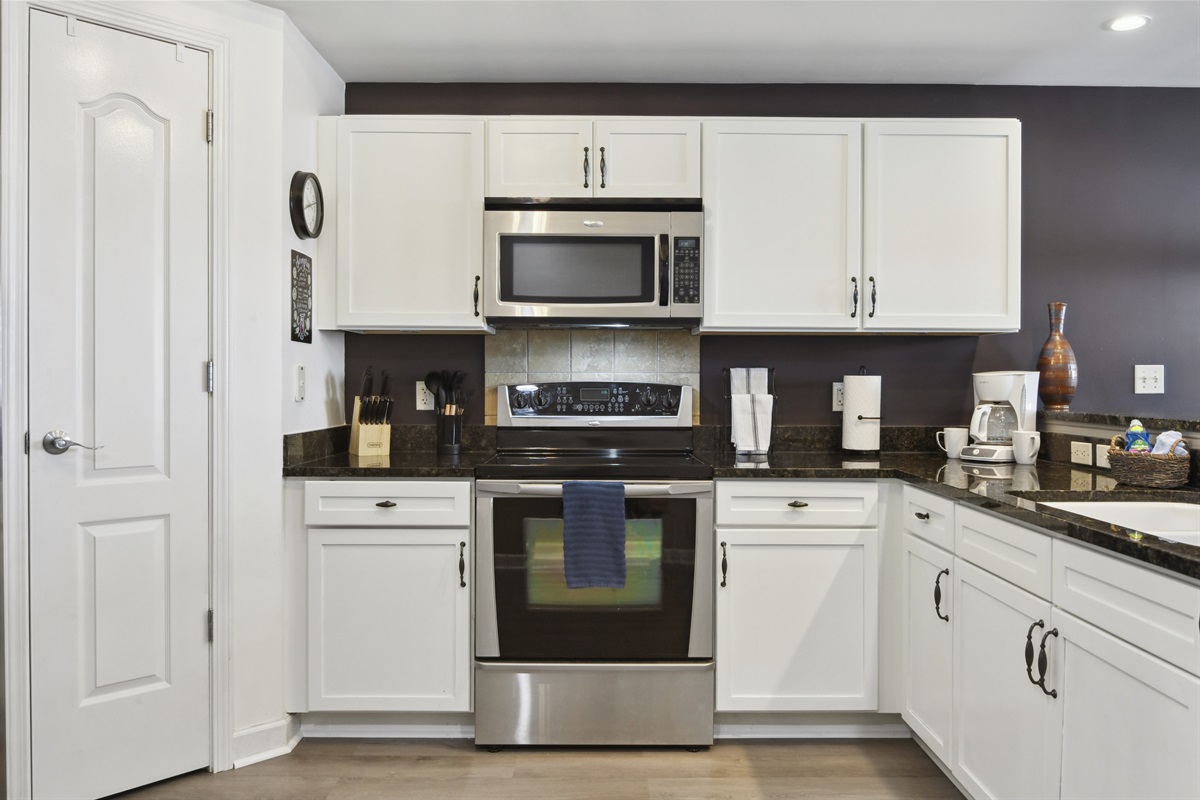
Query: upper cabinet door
[
  {"x": 942, "y": 225},
  {"x": 409, "y": 223},
  {"x": 783, "y": 224},
  {"x": 541, "y": 158},
  {"x": 647, "y": 158}
]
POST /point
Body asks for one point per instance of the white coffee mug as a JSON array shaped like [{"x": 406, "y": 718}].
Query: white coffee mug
[
  {"x": 952, "y": 440},
  {"x": 1025, "y": 446}
]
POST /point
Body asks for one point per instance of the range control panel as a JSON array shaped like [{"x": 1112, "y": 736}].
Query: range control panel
[
  {"x": 686, "y": 276},
  {"x": 593, "y": 400}
]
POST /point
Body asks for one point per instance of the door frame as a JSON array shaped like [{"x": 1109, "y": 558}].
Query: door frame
[{"x": 14, "y": 374}]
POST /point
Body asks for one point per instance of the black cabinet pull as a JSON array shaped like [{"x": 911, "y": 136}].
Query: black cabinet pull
[
  {"x": 854, "y": 312},
  {"x": 798, "y": 504},
  {"x": 386, "y": 504},
  {"x": 1029, "y": 650},
  {"x": 462, "y": 564},
  {"x": 1043, "y": 662},
  {"x": 586, "y": 167},
  {"x": 603, "y": 169},
  {"x": 724, "y": 563},
  {"x": 937, "y": 596},
  {"x": 921, "y": 515},
  {"x": 475, "y": 295},
  {"x": 872, "y": 280}
]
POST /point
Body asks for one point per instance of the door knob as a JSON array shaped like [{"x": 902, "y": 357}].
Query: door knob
[{"x": 58, "y": 442}]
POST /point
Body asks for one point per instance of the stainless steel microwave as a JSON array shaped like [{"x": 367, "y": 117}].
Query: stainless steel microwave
[{"x": 592, "y": 266}]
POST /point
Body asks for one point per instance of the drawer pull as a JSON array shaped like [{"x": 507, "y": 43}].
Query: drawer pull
[
  {"x": 937, "y": 596},
  {"x": 462, "y": 564},
  {"x": 386, "y": 504},
  {"x": 798, "y": 504},
  {"x": 922, "y": 515},
  {"x": 724, "y": 564}
]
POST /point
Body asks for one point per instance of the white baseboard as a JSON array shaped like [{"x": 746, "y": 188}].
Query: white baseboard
[
  {"x": 384, "y": 730},
  {"x": 815, "y": 731},
  {"x": 268, "y": 740}
]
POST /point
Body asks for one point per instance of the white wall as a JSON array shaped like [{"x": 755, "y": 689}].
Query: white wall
[{"x": 310, "y": 88}]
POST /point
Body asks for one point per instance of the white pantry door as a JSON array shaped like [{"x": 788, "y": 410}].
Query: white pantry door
[{"x": 118, "y": 345}]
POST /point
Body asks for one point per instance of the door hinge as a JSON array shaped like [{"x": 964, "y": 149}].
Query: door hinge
[
  {"x": 210, "y": 377},
  {"x": 209, "y": 127},
  {"x": 210, "y": 625}
]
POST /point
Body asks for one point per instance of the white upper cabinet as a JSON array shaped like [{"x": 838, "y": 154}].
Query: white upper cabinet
[
  {"x": 616, "y": 158},
  {"x": 409, "y": 223},
  {"x": 942, "y": 225},
  {"x": 782, "y": 203}
]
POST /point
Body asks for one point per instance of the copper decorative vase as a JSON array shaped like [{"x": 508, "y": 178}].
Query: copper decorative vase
[{"x": 1058, "y": 374}]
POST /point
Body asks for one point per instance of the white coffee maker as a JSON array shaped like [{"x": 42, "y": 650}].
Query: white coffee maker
[{"x": 1004, "y": 402}]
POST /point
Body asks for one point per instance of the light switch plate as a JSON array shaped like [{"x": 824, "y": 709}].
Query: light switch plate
[
  {"x": 424, "y": 398},
  {"x": 1149, "y": 379},
  {"x": 839, "y": 396},
  {"x": 1081, "y": 453},
  {"x": 299, "y": 383}
]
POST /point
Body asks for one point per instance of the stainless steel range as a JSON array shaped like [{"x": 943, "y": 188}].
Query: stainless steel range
[{"x": 627, "y": 664}]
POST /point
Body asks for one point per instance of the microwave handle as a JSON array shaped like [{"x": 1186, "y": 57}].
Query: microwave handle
[
  {"x": 555, "y": 489},
  {"x": 664, "y": 269}
]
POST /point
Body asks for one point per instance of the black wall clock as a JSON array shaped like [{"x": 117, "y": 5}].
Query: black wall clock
[{"x": 307, "y": 205}]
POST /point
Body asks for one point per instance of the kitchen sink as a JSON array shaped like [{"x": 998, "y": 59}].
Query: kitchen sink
[{"x": 1178, "y": 522}]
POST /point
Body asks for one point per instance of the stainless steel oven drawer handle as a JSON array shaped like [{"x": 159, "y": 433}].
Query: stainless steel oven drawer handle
[{"x": 555, "y": 489}]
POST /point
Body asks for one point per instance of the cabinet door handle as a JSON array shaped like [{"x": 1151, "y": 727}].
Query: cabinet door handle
[
  {"x": 724, "y": 564},
  {"x": 937, "y": 596},
  {"x": 798, "y": 504},
  {"x": 587, "y": 167},
  {"x": 921, "y": 515},
  {"x": 871, "y": 278},
  {"x": 462, "y": 564},
  {"x": 1043, "y": 662},
  {"x": 854, "y": 311},
  {"x": 1029, "y": 650},
  {"x": 475, "y": 295},
  {"x": 386, "y": 504},
  {"x": 603, "y": 169}
]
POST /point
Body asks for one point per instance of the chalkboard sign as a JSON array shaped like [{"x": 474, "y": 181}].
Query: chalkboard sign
[{"x": 301, "y": 298}]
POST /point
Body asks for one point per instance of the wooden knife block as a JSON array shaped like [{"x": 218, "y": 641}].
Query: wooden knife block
[{"x": 369, "y": 440}]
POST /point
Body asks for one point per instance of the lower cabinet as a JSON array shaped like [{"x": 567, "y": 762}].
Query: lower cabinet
[
  {"x": 928, "y": 643},
  {"x": 389, "y": 612}
]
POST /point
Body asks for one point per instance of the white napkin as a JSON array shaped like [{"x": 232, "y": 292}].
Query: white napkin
[
  {"x": 1164, "y": 442},
  {"x": 751, "y": 422},
  {"x": 747, "y": 380}
]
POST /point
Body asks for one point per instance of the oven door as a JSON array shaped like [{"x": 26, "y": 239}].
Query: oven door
[
  {"x": 576, "y": 264},
  {"x": 525, "y": 611}
]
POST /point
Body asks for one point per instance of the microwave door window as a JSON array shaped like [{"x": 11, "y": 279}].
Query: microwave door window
[{"x": 577, "y": 270}]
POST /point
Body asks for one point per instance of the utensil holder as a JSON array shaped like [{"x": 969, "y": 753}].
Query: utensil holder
[
  {"x": 369, "y": 440},
  {"x": 449, "y": 434}
]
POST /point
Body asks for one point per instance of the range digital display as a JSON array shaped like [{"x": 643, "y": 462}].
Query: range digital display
[{"x": 593, "y": 395}]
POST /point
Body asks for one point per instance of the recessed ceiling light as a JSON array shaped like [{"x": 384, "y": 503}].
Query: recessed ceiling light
[{"x": 1130, "y": 22}]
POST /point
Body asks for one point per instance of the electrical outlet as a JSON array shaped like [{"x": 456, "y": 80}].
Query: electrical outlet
[
  {"x": 424, "y": 398},
  {"x": 839, "y": 395},
  {"x": 1081, "y": 453},
  {"x": 1102, "y": 455},
  {"x": 299, "y": 383},
  {"x": 1149, "y": 379}
]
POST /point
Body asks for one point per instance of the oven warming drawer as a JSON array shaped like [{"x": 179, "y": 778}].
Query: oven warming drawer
[{"x": 661, "y": 703}]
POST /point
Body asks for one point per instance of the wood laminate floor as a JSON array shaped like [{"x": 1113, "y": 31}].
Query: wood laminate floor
[{"x": 405, "y": 769}]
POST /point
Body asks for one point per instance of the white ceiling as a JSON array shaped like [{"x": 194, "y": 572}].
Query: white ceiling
[{"x": 1027, "y": 42}]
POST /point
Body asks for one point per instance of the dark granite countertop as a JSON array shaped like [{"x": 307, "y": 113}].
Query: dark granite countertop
[{"x": 1016, "y": 497}]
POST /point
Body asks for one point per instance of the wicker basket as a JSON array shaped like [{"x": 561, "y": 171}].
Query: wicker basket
[{"x": 1147, "y": 469}]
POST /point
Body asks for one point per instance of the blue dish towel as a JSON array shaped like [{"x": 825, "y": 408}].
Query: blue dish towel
[{"x": 594, "y": 534}]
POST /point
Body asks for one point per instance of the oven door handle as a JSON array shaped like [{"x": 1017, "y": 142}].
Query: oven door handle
[{"x": 555, "y": 489}]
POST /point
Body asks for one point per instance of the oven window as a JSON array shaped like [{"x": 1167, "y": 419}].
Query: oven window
[
  {"x": 577, "y": 269},
  {"x": 546, "y": 579},
  {"x": 538, "y": 616}
]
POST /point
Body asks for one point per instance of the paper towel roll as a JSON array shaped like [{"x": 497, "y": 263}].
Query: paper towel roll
[{"x": 860, "y": 398}]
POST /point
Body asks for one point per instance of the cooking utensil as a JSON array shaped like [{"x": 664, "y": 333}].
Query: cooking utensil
[{"x": 433, "y": 382}]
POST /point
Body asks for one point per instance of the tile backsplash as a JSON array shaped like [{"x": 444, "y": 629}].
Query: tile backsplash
[{"x": 525, "y": 356}]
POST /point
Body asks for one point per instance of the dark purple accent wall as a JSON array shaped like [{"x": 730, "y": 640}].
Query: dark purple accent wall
[
  {"x": 408, "y": 358},
  {"x": 1111, "y": 226}
]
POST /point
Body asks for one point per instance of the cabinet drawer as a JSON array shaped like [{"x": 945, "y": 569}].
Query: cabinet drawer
[
  {"x": 1018, "y": 555},
  {"x": 1154, "y": 612},
  {"x": 929, "y": 516},
  {"x": 388, "y": 503},
  {"x": 800, "y": 504}
]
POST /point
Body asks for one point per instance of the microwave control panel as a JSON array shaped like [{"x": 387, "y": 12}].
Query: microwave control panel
[{"x": 685, "y": 283}]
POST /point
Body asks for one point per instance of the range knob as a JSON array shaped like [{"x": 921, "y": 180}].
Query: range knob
[
  {"x": 520, "y": 400},
  {"x": 648, "y": 397},
  {"x": 670, "y": 401},
  {"x": 542, "y": 398}
]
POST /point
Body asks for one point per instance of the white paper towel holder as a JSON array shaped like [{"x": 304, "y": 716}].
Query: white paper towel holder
[{"x": 853, "y": 454}]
